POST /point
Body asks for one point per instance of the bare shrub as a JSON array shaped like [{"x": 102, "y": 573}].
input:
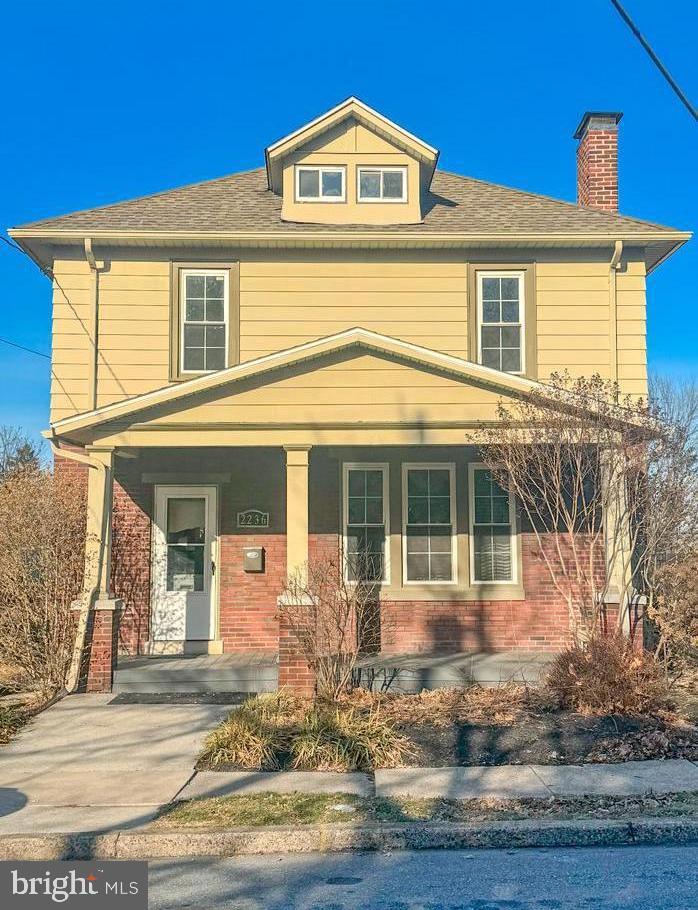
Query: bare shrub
[
  {"x": 670, "y": 569},
  {"x": 334, "y": 620},
  {"x": 17, "y": 451},
  {"x": 600, "y": 481},
  {"x": 42, "y": 529},
  {"x": 674, "y": 611},
  {"x": 607, "y": 675}
]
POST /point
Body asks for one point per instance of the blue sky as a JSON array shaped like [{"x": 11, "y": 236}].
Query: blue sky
[{"x": 104, "y": 102}]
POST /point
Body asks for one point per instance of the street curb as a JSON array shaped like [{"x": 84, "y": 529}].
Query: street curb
[{"x": 143, "y": 844}]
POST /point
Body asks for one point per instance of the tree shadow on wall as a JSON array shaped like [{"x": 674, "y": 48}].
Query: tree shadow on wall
[{"x": 130, "y": 578}]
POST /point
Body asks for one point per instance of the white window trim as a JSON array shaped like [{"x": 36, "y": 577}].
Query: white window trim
[
  {"x": 217, "y": 273},
  {"x": 384, "y": 467},
  {"x": 472, "y": 467},
  {"x": 320, "y": 168},
  {"x": 383, "y": 170},
  {"x": 504, "y": 273},
  {"x": 421, "y": 465}
]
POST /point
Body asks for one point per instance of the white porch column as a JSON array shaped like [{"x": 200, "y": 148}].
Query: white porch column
[
  {"x": 296, "y": 509},
  {"x": 99, "y": 524},
  {"x": 617, "y": 541}
]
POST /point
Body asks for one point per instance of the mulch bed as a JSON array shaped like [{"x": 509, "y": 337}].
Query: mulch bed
[
  {"x": 561, "y": 738},
  {"x": 513, "y": 725}
]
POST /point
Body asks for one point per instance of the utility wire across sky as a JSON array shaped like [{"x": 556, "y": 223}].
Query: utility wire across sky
[{"x": 655, "y": 59}]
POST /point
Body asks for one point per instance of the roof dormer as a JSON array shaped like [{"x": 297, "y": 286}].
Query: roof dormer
[{"x": 351, "y": 166}]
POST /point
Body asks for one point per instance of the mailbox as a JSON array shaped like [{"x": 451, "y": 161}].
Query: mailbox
[{"x": 253, "y": 559}]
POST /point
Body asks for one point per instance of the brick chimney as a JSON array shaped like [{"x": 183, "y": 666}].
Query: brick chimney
[{"x": 597, "y": 160}]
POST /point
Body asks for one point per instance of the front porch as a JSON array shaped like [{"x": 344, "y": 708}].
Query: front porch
[
  {"x": 206, "y": 497},
  {"x": 195, "y": 614}
]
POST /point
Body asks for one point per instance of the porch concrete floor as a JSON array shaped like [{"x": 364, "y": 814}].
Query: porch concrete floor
[
  {"x": 414, "y": 672},
  {"x": 255, "y": 671}
]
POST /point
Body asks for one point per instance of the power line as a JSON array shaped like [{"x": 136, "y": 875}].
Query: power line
[
  {"x": 655, "y": 59},
  {"x": 12, "y": 245},
  {"x": 22, "y": 348},
  {"x": 13, "y": 344}
]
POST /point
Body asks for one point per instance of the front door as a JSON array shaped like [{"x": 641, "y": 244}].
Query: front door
[{"x": 183, "y": 585}]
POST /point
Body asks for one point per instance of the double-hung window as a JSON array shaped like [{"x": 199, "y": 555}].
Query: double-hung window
[
  {"x": 204, "y": 320},
  {"x": 366, "y": 512},
  {"x": 320, "y": 184},
  {"x": 429, "y": 521},
  {"x": 492, "y": 529},
  {"x": 382, "y": 184},
  {"x": 501, "y": 310}
]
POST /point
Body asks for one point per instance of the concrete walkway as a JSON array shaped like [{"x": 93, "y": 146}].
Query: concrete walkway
[{"x": 85, "y": 765}]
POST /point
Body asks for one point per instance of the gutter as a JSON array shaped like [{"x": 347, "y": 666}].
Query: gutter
[
  {"x": 86, "y": 598},
  {"x": 304, "y": 237}
]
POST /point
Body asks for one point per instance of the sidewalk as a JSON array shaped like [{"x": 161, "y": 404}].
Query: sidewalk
[
  {"x": 84, "y": 765},
  {"x": 504, "y": 782}
]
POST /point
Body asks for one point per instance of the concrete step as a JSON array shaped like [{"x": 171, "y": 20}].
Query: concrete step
[
  {"x": 158, "y": 687},
  {"x": 221, "y": 673}
]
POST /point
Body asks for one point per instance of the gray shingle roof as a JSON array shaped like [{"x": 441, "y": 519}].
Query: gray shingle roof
[{"x": 242, "y": 202}]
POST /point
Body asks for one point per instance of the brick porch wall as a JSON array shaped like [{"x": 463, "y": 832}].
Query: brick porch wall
[
  {"x": 67, "y": 468},
  {"x": 248, "y": 620},
  {"x": 540, "y": 622},
  {"x": 131, "y": 543}
]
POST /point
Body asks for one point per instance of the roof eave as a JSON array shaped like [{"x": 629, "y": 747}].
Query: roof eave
[{"x": 458, "y": 237}]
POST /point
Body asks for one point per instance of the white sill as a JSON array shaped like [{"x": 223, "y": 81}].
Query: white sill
[
  {"x": 323, "y": 199},
  {"x": 430, "y": 584},
  {"x": 374, "y": 201}
]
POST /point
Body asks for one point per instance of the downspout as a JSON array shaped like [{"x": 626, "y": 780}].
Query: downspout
[
  {"x": 94, "y": 321},
  {"x": 86, "y": 597},
  {"x": 614, "y": 266}
]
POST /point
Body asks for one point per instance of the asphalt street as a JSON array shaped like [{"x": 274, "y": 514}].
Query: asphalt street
[{"x": 641, "y": 878}]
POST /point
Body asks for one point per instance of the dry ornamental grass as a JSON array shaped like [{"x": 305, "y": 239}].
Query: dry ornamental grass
[{"x": 276, "y": 731}]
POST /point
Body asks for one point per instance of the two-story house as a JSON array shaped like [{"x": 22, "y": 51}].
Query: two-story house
[{"x": 253, "y": 368}]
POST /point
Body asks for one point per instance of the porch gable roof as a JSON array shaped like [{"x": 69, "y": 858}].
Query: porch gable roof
[{"x": 356, "y": 338}]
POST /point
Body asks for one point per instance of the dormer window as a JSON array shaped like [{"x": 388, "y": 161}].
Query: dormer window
[
  {"x": 320, "y": 184},
  {"x": 382, "y": 184}
]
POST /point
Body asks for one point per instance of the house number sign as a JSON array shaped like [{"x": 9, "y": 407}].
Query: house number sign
[{"x": 253, "y": 518}]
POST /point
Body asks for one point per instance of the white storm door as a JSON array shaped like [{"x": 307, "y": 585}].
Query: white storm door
[{"x": 183, "y": 588}]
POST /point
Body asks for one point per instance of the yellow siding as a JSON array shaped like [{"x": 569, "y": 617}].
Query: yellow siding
[
  {"x": 632, "y": 327},
  {"x": 365, "y": 389},
  {"x": 71, "y": 339},
  {"x": 421, "y": 301},
  {"x": 285, "y": 302},
  {"x": 573, "y": 324}
]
